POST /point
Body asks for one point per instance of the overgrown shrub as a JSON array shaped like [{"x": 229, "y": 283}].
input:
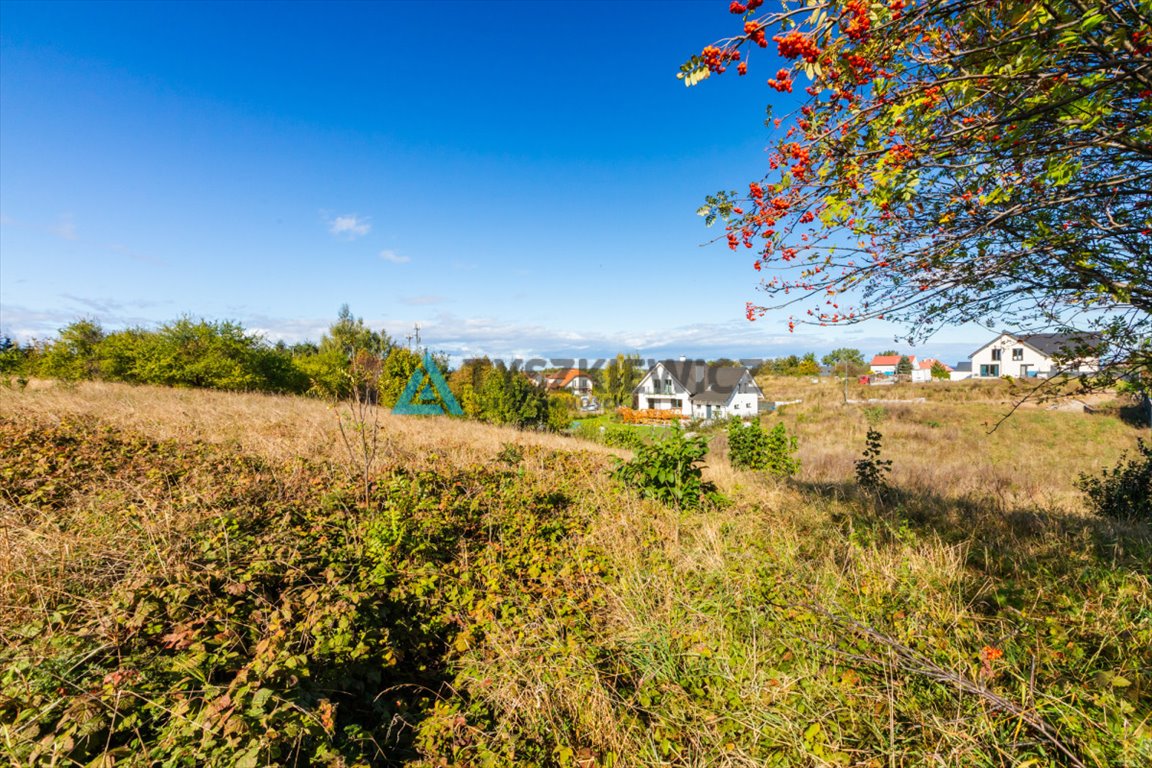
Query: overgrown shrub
[
  {"x": 670, "y": 471},
  {"x": 750, "y": 447},
  {"x": 1125, "y": 491},
  {"x": 249, "y": 619},
  {"x": 871, "y": 470}
]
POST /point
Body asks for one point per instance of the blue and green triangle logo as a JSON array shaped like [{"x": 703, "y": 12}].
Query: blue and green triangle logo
[{"x": 420, "y": 396}]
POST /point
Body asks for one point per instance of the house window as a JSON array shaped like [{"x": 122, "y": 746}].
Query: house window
[
  {"x": 1018, "y": 353},
  {"x": 989, "y": 370},
  {"x": 677, "y": 403},
  {"x": 996, "y": 354}
]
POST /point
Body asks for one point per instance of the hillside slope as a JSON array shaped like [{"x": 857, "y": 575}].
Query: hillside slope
[{"x": 195, "y": 578}]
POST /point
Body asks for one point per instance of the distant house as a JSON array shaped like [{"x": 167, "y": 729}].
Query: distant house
[
  {"x": 1033, "y": 355},
  {"x": 885, "y": 365},
  {"x": 572, "y": 379},
  {"x": 963, "y": 370},
  {"x": 698, "y": 390},
  {"x": 922, "y": 371}
]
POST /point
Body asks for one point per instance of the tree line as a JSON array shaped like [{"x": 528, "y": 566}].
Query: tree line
[{"x": 350, "y": 359}]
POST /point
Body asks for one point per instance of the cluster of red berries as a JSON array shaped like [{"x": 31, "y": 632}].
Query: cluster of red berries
[
  {"x": 900, "y": 154},
  {"x": 932, "y": 96},
  {"x": 1142, "y": 48},
  {"x": 795, "y": 45},
  {"x": 857, "y": 18},
  {"x": 717, "y": 59},
  {"x": 860, "y": 67},
  {"x": 782, "y": 82},
  {"x": 738, "y": 8},
  {"x": 755, "y": 33}
]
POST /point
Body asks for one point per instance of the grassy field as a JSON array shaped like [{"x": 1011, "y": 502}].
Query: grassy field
[{"x": 196, "y": 578}]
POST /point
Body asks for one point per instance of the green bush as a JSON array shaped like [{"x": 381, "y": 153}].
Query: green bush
[
  {"x": 750, "y": 447},
  {"x": 1125, "y": 491},
  {"x": 871, "y": 470},
  {"x": 670, "y": 471}
]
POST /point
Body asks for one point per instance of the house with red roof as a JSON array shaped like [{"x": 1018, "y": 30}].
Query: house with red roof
[
  {"x": 573, "y": 379},
  {"x": 885, "y": 365}
]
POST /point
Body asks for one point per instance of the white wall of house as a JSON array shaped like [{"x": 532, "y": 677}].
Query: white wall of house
[
  {"x": 660, "y": 390},
  {"x": 884, "y": 370},
  {"x": 745, "y": 400},
  {"x": 959, "y": 375},
  {"x": 1007, "y": 356},
  {"x": 580, "y": 385},
  {"x": 744, "y": 404}
]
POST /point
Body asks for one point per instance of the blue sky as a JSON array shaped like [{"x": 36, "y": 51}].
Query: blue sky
[{"x": 518, "y": 178}]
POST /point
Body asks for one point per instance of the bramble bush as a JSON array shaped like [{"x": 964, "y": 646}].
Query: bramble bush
[
  {"x": 750, "y": 447},
  {"x": 1125, "y": 491},
  {"x": 240, "y": 613}
]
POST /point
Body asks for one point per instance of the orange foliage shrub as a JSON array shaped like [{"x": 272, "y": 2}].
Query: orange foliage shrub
[{"x": 644, "y": 415}]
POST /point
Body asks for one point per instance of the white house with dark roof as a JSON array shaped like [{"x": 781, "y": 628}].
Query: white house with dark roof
[
  {"x": 1035, "y": 355},
  {"x": 698, "y": 390}
]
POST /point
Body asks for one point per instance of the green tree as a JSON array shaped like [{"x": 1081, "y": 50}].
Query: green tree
[
  {"x": 122, "y": 353},
  {"x": 397, "y": 369},
  {"x": 808, "y": 365},
  {"x": 939, "y": 371},
  {"x": 621, "y": 375},
  {"x": 845, "y": 361},
  {"x": 13, "y": 357},
  {"x": 904, "y": 366},
  {"x": 187, "y": 353},
  {"x": 329, "y": 368},
  {"x": 466, "y": 382},
  {"x": 508, "y": 396},
  {"x": 74, "y": 355},
  {"x": 954, "y": 161},
  {"x": 561, "y": 406}
]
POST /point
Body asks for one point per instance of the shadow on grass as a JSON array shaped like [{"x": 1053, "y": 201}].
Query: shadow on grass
[{"x": 1001, "y": 538}]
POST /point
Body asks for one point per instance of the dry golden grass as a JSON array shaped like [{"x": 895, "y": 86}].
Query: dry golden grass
[
  {"x": 948, "y": 446},
  {"x": 276, "y": 427}
]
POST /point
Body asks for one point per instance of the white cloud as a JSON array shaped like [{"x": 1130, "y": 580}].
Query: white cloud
[
  {"x": 393, "y": 257},
  {"x": 349, "y": 226}
]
